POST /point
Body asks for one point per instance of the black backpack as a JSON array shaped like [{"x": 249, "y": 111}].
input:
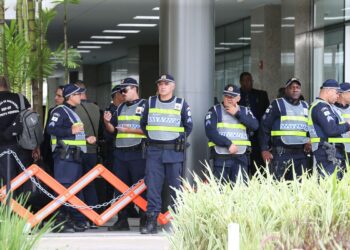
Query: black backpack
[{"x": 32, "y": 133}]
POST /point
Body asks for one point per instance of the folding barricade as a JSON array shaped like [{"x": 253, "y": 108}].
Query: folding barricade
[{"x": 129, "y": 194}]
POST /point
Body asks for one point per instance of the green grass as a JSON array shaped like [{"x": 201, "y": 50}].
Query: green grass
[{"x": 311, "y": 213}]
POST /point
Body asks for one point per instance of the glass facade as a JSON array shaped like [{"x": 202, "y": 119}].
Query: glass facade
[{"x": 232, "y": 53}]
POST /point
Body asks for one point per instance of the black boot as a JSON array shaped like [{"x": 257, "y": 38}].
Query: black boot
[
  {"x": 151, "y": 224},
  {"x": 121, "y": 224},
  {"x": 143, "y": 219}
]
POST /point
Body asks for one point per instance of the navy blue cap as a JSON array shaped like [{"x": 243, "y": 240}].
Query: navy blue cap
[
  {"x": 116, "y": 89},
  {"x": 128, "y": 82},
  {"x": 291, "y": 80},
  {"x": 231, "y": 90},
  {"x": 330, "y": 84},
  {"x": 344, "y": 87},
  {"x": 70, "y": 89},
  {"x": 166, "y": 78}
]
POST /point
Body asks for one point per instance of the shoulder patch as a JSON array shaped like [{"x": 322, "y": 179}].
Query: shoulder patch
[
  {"x": 178, "y": 106},
  {"x": 139, "y": 110}
]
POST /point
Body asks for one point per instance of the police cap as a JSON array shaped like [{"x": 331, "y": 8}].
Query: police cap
[
  {"x": 344, "y": 87},
  {"x": 231, "y": 90},
  {"x": 291, "y": 80},
  {"x": 128, "y": 82},
  {"x": 70, "y": 89},
  {"x": 166, "y": 78},
  {"x": 330, "y": 84}
]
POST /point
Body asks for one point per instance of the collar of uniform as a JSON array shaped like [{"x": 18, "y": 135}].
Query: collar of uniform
[
  {"x": 170, "y": 100},
  {"x": 339, "y": 105},
  {"x": 69, "y": 106},
  {"x": 291, "y": 101},
  {"x": 132, "y": 102}
]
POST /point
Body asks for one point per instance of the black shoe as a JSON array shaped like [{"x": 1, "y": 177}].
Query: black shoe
[
  {"x": 120, "y": 225},
  {"x": 151, "y": 224},
  {"x": 80, "y": 226},
  {"x": 143, "y": 220}
]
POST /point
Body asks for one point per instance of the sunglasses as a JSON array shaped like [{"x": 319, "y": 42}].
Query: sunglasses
[{"x": 124, "y": 91}]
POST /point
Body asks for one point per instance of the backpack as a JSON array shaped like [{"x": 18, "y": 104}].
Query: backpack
[{"x": 32, "y": 133}]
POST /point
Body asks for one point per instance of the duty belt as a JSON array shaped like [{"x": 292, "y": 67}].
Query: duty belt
[
  {"x": 170, "y": 146},
  {"x": 133, "y": 148}
]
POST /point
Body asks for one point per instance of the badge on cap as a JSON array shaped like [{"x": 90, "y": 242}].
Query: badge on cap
[
  {"x": 122, "y": 81},
  {"x": 230, "y": 88},
  {"x": 163, "y": 77}
]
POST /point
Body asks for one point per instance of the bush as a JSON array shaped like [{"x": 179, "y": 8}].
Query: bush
[
  {"x": 14, "y": 234},
  {"x": 310, "y": 213}
]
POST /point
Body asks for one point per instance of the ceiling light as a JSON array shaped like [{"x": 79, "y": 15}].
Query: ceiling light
[
  {"x": 256, "y": 31},
  {"x": 335, "y": 17},
  {"x": 108, "y": 37},
  {"x": 147, "y": 17},
  {"x": 257, "y": 25},
  {"x": 245, "y": 38},
  {"x": 234, "y": 44},
  {"x": 96, "y": 42},
  {"x": 221, "y": 48},
  {"x": 89, "y": 47},
  {"x": 289, "y": 18},
  {"x": 155, "y": 8},
  {"x": 121, "y": 31},
  {"x": 84, "y": 51},
  {"x": 287, "y": 25},
  {"x": 137, "y": 25}
]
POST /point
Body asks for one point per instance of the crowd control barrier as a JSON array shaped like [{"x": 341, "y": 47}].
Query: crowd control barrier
[{"x": 66, "y": 197}]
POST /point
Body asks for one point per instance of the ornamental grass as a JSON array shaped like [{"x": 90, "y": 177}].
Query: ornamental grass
[
  {"x": 308, "y": 213},
  {"x": 14, "y": 235}
]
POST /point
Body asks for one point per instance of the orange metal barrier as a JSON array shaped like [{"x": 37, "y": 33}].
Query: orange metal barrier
[{"x": 68, "y": 195}]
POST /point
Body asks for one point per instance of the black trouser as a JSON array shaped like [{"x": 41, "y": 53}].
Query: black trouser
[{"x": 25, "y": 157}]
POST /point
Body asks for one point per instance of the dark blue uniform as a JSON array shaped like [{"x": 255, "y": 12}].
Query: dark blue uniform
[
  {"x": 327, "y": 124},
  {"x": 284, "y": 154},
  {"x": 163, "y": 161},
  {"x": 128, "y": 163},
  {"x": 228, "y": 165},
  {"x": 67, "y": 169}
]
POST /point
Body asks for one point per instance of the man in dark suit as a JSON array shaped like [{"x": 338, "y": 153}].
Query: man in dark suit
[{"x": 257, "y": 101}]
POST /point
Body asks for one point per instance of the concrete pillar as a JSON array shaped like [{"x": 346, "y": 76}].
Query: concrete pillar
[
  {"x": 187, "y": 31},
  {"x": 266, "y": 48},
  {"x": 303, "y": 46}
]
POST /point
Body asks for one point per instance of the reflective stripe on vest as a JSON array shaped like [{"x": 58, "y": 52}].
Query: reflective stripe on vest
[
  {"x": 79, "y": 139},
  {"x": 315, "y": 140},
  {"x": 345, "y": 114},
  {"x": 230, "y": 127},
  {"x": 293, "y": 123},
  {"x": 129, "y": 116},
  {"x": 164, "y": 119}
]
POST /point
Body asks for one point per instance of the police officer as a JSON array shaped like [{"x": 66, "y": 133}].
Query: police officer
[
  {"x": 342, "y": 106},
  {"x": 326, "y": 127},
  {"x": 129, "y": 164},
  {"x": 226, "y": 127},
  {"x": 284, "y": 133},
  {"x": 166, "y": 122},
  {"x": 68, "y": 142}
]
